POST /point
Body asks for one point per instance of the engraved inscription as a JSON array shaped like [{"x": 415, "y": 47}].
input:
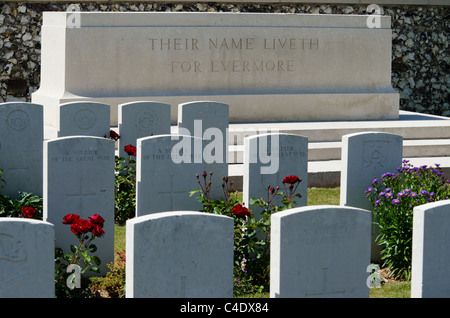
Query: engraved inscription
[
  {"x": 145, "y": 120},
  {"x": 80, "y": 155},
  {"x": 17, "y": 120},
  {"x": 13, "y": 262},
  {"x": 219, "y": 62},
  {"x": 375, "y": 154},
  {"x": 85, "y": 119}
]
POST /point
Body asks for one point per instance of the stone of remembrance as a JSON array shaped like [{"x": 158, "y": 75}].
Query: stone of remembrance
[{"x": 310, "y": 66}]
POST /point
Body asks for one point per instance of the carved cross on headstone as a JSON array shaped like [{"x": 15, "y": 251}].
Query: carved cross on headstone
[
  {"x": 325, "y": 292},
  {"x": 81, "y": 195},
  {"x": 171, "y": 193}
]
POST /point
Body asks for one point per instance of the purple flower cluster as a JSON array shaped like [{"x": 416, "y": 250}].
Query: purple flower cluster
[{"x": 411, "y": 186}]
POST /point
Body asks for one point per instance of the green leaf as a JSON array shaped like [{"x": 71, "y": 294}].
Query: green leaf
[
  {"x": 95, "y": 269},
  {"x": 192, "y": 192},
  {"x": 96, "y": 260}
]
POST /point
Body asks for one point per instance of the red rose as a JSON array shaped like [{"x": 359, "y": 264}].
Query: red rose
[
  {"x": 70, "y": 218},
  {"x": 113, "y": 135},
  {"x": 130, "y": 150},
  {"x": 80, "y": 226},
  {"x": 97, "y": 230},
  {"x": 97, "y": 220},
  {"x": 241, "y": 211},
  {"x": 28, "y": 211},
  {"x": 291, "y": 179}
]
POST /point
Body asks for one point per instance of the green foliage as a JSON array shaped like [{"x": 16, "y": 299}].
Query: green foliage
[
  {"x": 114, "y": 281},
  {"x": 393, "y": 198},
  {"x": 70, "y": 268},
  {"x": 11, "y": 207},
  {"x": 125, "y": 186},
  {"x": 2, "y": 181},
  {"x": 251, "y": 235}
]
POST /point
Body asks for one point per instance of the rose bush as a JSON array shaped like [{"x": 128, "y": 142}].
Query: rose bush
[
  {"x": 26, "y": 205},
  {"x": 86, "y": 231},
  {"x": 251, "y": 235},
  {"x": 125, "y": 186}
]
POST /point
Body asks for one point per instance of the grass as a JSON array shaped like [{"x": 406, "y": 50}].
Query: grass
[
  {"x": 323, "y": 196},
  {"x": 392, "y": 290},
  {"x": 316, "y": 196}
]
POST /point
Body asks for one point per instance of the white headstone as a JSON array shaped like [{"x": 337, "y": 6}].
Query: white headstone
[
  {"x": 27, "y": 258},
  {"x": 84, "y": 118},
  {"x": 430, "y": 273},
  {"x": 142, "y": 119},
  {"x": 208, "y": 120},
  {"x": 365, "y": 157},
  {"x": 21, "y": 144},
  {"x": 320, "y": 251},
  {"x": 79, "y": 179},
  {"x": 179, "y": 254},
  {"x": 165, "y": 174},
  {"x": 268, "y": 158}
]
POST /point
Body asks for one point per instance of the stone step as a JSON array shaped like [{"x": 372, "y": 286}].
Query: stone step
[
  {"x": 327, "y": 173},
  {"x": 320, "y": 151},
  {"x": 410, "y": 125}
]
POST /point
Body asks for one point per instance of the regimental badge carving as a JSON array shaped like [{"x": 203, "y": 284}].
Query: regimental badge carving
[
  {"x": 145, "y": 120},
  {"x": 85, "y": 119},
  {"x": 17, "y": 120},
  {"x": 13, "y": 262},
  {"x": 375, "y": 154}
]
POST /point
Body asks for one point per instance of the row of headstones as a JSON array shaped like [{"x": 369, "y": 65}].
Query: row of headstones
[
  {"x": 167, "y": 163},
  {"x": 320, "y": 251},
  {"x": 78, "y": 174},
  {"x": 268, "y": 158},
  {"x": 22, "y": 136}
]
